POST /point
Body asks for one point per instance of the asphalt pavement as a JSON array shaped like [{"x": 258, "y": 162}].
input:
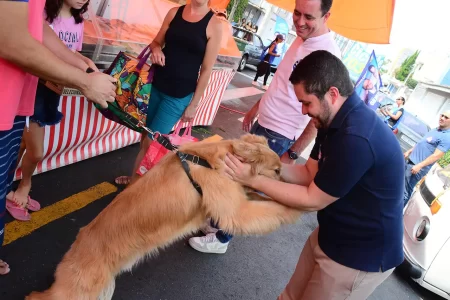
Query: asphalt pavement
[{"x": 253, "y": 268}]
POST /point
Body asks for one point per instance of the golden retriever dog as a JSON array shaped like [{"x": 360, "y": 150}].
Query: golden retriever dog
[{"x": 162, "y": 207}]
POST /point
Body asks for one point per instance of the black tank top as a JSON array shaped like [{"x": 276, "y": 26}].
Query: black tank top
[{"x": 185, "y": 47}]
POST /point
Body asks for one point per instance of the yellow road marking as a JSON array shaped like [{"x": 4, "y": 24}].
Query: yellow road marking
[{"x": 16, "y": 229}]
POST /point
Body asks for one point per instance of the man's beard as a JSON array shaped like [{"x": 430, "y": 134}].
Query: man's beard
[{"x": 323, "y": 120}]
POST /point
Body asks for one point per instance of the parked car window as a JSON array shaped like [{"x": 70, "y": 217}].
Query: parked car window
[
  {"x": 256, "y": 41},
  {"x": 415, "y": 124}
]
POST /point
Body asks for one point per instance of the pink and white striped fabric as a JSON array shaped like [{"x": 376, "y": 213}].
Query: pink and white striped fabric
[{"x": 84, "y": 132}]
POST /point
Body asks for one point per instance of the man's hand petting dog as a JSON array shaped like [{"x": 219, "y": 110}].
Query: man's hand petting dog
[{"x": 238, "y": 171}]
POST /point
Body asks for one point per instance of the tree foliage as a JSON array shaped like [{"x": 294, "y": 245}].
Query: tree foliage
[
  {"x": 242, "y": 4},
  {"x": 406, "y": 67},
  {"x": 411, "y": 83}
]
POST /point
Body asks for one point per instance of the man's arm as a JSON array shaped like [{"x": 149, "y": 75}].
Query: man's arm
[
  {"x": 250, "y": 117},
  {"x": 300, "y": 174},
  {"x": 307, "y": 136},
  {"x": 56, "y": 46},
  {"x": 427, "y": 161},
  {"x": 21, "y": 49},
  {"x": 408, "y": 153},
  {"x": 339, "y": 173},
  {"x": 307, "y": 198}
]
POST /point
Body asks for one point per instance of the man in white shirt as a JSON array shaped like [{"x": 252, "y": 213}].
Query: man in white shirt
[
  {"x": 281, "y": 119},
  {"x": 280, "y": 114}
]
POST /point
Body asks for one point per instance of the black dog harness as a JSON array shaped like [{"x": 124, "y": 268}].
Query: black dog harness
[{"x": 184, "y": 158}]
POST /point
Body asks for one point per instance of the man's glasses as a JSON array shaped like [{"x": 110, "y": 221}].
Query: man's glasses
[{"x": 445, "y": 117}]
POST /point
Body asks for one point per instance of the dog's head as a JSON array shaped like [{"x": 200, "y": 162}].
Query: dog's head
[{"x": 255, "y": 151}]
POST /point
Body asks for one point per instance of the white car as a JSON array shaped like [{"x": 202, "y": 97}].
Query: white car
[{"x": 426, "y": 226}]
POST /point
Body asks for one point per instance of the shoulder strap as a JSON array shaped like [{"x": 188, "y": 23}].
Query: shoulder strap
[
  {"x": 207, "y": 18},
  {"x": 180, "y": 12}
]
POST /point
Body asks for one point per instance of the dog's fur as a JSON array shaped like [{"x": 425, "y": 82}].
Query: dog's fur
[{"x": 162, "y": 207}]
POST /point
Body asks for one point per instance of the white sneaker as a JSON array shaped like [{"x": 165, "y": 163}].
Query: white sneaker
[
  {"x": 265, "y": 87},
  {"x": 207, "y": 229},
  {"x": 255, "y": 83},
  {"x": 208, "y": 244}
]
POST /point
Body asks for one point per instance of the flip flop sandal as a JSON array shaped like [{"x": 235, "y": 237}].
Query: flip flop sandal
[
  {"x": 123, "y": 180},
  {"x": 5, "y": 267},
  {"x": 18, "y": 212},
  {"x": 32, "y": 204}
]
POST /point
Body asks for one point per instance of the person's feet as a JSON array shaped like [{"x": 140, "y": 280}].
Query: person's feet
[
  {"x": 19, "y": 208},
  {"x": 4, "y": 268},
  {"x": 207, "y": 229},
  {"x": 208, "y": 244},
  {"x": 255, "y": 83},
  {"x": 19, "y": 197},
  {"x": 123, "y": 180}
]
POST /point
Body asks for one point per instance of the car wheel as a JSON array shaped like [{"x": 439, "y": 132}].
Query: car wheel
[{"x": 242, "y": 63}]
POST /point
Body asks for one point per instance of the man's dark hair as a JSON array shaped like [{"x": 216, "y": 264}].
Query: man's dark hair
[
  {"x": 325, "y": 6},
  {"x": 321, "y": 70}
]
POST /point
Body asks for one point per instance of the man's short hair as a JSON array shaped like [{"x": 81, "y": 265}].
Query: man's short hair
[
  {"x": 319, "y": 71},
  {"x": 325, "y": 6}
]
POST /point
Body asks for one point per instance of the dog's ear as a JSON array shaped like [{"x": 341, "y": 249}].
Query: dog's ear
[
  {"x": 254, "y": 139},
  {"x": 250, "y": 153}
]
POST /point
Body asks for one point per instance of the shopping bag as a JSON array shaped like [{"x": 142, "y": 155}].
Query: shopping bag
[
  {"x": 134, "y": 83},
  {"x": 154, "y": 154},
  {"x": 157, "y": 151},
  {"x": 177, "y": 139}
]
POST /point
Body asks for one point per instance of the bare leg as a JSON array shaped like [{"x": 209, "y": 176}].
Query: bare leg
[
  {"x": 19, "y": 157},
  {"x": 34, "y": 142},
  {"x": 144, "y": 145},
  {"x": 21, "y": 152},
  {"x": 4, "y": 268}
]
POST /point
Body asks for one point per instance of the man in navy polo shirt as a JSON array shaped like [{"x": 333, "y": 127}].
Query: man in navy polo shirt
[
  {"x": 354, "y": 178},
  {"x": 425, "y": 153}
]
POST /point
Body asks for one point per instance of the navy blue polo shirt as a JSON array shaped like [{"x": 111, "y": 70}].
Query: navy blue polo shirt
[{"x": 361, "y": 163}]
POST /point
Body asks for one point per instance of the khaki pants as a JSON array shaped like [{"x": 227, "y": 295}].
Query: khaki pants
[{"x": 317, "y": 277}]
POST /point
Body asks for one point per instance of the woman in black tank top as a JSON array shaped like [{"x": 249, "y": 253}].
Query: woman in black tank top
[{"x": 184, "y": 52}]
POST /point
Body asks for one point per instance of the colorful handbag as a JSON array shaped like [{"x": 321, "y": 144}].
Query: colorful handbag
[{"x": 134, "y": 84}]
